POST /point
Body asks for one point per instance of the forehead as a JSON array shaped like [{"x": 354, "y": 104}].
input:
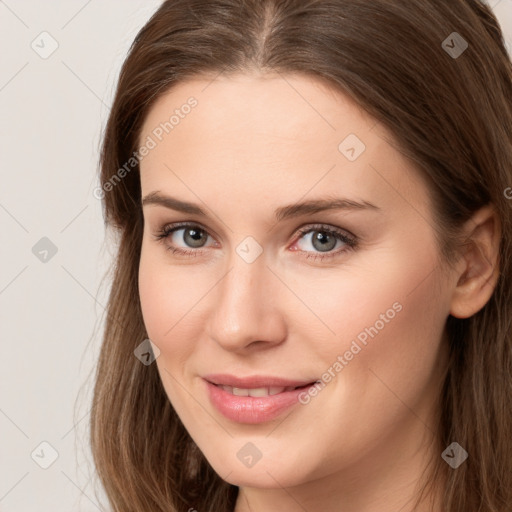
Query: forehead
[
  {"x": 290, "y": 108},
  {"x": 263, "y": 134}
]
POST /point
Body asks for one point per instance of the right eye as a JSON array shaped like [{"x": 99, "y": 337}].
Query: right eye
[{"x": 192, "y": 236}]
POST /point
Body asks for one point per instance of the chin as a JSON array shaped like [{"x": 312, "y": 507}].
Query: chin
[
  {"x": 273, "y": 473},
  {"x": 273, "y": 479}
]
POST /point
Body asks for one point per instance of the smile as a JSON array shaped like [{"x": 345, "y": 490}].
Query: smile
[
  {"x": 258, "y": 391},
  {"x": 253, "y": 404}
]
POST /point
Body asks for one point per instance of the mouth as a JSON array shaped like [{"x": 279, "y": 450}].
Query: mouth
[
  {"x": 254, "y": 399},
  {"x": 256, "y": 381},
  {"x": 262, "y": 391}
]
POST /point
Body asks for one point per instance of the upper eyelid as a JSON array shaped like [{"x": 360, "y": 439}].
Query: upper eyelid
[{"x": 323, "y": 227}]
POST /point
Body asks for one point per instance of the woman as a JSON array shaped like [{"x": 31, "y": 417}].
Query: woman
[{"x": 311, "y": 301}]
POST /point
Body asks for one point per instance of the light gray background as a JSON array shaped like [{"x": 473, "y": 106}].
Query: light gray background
[{"x": 53, "y": 112}]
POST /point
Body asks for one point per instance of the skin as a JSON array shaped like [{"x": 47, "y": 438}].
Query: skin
[{"x": 252, "y": 144}]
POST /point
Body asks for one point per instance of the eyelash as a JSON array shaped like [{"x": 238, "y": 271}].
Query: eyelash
[{"x": 350, "y": 241}]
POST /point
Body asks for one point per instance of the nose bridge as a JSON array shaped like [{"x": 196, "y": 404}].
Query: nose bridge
[{"x": 241, "y": 313}]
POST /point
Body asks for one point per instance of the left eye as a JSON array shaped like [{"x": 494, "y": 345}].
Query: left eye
[{"x": 323, "y": 239}]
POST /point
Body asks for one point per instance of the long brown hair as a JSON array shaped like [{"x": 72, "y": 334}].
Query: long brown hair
[{"x": 451, "y": 114}]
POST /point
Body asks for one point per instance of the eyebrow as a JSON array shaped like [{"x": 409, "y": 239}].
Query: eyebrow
[{"x": 281, "y": 213}]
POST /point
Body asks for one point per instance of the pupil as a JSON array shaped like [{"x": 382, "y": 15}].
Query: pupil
[
  {"x": 327, "y": 241},
  {"x": 194, "y": 237}
]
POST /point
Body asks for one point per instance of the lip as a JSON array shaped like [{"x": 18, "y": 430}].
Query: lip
[{"x": 248, "y": 409}]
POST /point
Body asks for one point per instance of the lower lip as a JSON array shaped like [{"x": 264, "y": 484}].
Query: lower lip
[{"x": 249, "y": 409}]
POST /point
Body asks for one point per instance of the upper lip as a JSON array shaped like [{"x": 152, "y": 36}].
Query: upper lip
[{"x": 255, "y": 381}]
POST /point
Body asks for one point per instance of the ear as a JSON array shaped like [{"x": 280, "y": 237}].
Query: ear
[{"x": 478, "y": 267}]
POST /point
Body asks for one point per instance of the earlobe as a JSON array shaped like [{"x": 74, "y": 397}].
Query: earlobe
[{"x": 479, "y": 264}]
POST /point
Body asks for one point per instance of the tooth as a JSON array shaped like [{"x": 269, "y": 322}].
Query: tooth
[
  {"x": 276, "y": 390},
  {"x": 240, "y": 392},
  {"x": 258, "y": 392}
]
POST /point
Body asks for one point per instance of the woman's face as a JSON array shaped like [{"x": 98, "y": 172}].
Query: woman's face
[{"x": 263, "y": 285}]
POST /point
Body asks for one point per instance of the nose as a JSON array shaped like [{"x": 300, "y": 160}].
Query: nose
[{"x": 247, "y": 310}]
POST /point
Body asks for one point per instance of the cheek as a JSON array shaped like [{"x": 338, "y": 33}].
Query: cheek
[
  {"x": 161, "y": 296},
  {"x": 172, "y": 298},
  {"x": 154, "y": 295},
  {"x": 340, "y": 306},
  {"x": 387, "y": 315},
  {"x": 392, "y": 330},
  {"x": 167, "y": 302}
]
